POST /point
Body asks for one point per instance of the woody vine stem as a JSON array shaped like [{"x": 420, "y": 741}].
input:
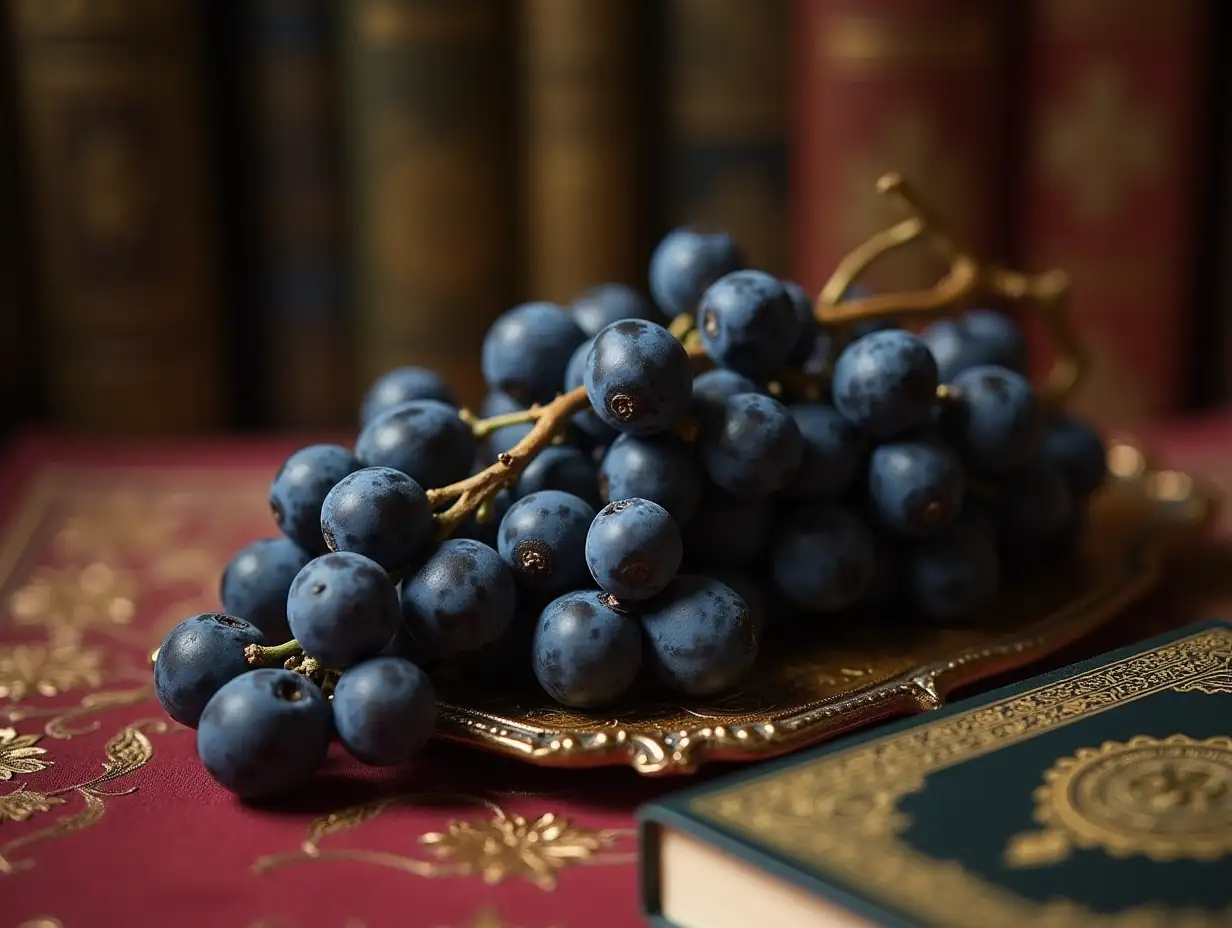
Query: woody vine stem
[{"x": 967, "y": 279}]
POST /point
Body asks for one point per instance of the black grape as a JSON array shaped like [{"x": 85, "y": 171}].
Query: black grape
[
  {"x": 543, "y": 539},
  {"x": 885, "y": 383},
  {"x": 299, "y": 488},
  {"x": 824, "y": 558},
  {"x": 196, "y": 658},
  {"x": 633, "y": 549},
  {"x": 401, "y": 385},
  {"x": 526, "y": 350},
  {"x": 343, "y": 608},
  {"x": 916, "y": 487},
  {"x": 384, "y": 710},
  {"x": 585, "y": 653},
  {"x": 660, "y": 468},
  {"x": 380, "y": 513},
  {"x": 425, "y": 439},
  {"x": 752, "y": 447},
  {"x": 255, "y": 584},
  {"x": 600, "y": 306}
]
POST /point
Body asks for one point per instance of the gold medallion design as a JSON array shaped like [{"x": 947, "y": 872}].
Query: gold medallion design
[{"x": 1165, "y": 799}]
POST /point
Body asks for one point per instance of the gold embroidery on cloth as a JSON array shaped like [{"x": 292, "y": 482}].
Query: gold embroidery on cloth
[
  {"x": 487, "y": 917},
  {"x": 47, "y": 670},
  {"x": 1165, "y": 799},
  {"x": 128, "y": 750},
  {"x": 20, "y": 754},
  {"x": 839, "y": 814},
  {"x": 500, "y": 847}
]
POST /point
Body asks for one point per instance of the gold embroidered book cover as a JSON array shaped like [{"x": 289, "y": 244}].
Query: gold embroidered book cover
[{"x": 1099, "y": 796}]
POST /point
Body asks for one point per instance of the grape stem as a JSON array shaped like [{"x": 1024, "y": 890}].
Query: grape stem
[{"x": 271, "y": 655}]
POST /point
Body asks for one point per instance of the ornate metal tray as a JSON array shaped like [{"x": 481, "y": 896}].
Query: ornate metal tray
[{"x": 805, "y": 691}]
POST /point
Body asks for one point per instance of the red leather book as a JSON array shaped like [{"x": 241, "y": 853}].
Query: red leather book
[
  {"x": 1108, "y": 188},
  {"x": 106, "y": 815},
  {"x": 917, "y": 86}
]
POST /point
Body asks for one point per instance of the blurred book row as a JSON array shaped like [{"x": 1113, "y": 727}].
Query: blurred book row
[{"x": 236, "y": 213}]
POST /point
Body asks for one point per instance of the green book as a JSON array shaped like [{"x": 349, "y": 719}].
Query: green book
[{"x": 1098, "y": 796}]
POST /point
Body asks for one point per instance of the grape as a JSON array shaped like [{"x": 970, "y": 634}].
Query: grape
[
  {"x": 1075, "y": 449},
  {"x": 685, "y": 263},
  {"x": 585, "y": 654},
  {"x": 196, "y": 658},
  {"x": 342, "y": 609},
  {"x": 502, "y": 439},
  {"x": 728, "y": 531},
  {"x": 833, "y": 452},
  {"x": 638, "y": 377},
  {"x": 560, "y": 467},
  {"x": 713, "y": 388},
  {"x": 255, "y": 584},
  {"x": 380, "y": 513},
  {"x": 1036, "y": 500},
  {"x": 748, "y": 323},
  {"x": 807, "y": 327},
  {"x": 299, "y": 489},
  {"x": 424, "y": 439},
  {"x": 526, "y": 350},
  {"x": 700, "y": 635},
  {"x": 472, "y": 528},
  {"x": 633, "y": 548},
  {"x": 401, "y": 385},
  {"x": 600, "y": 306},
  {"x": 886, "y": 383},
  {"x": 752, "y": 447},
  {"x": 659, "y": 468},
  {"x": 264, "y": 734},
  {"x": 575, "y": 376},
  {"x": 404, "y": 646},
  {"x": 916, "y": 487},
  {"x": 459, "y": 600},
  {"x": 824, "y": 558},
  {"x": 953, "y": 574},
  {"x": 981, "y": 337},
  {"x": 992, "y": 417},
  {"x": 543, "y": 539},
  {"x": 384, "y": 710},
  {"x": 744, "y": 586}
]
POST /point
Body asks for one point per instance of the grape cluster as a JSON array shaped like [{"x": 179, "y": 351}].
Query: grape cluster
[{"x": 653, "y": 487}]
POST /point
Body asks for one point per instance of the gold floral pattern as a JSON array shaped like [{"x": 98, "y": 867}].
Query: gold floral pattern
[
  {"x": 498, "y": 848},
  {"x": 75, "y": 597},
  {"x": 20, "y": 804},
  {"x": 115, "y": 525},
  {"x": 48, "y": 670},
  {"x": 509, "y": 845},
  {"x": 20, "y": 754}
]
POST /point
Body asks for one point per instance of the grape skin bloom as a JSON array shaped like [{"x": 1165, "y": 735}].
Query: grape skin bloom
[
  {"x": 342, "y": 608},
  {"x": 526, "y": 350},
  {"x": 748, "y": 323},
  {"x": 885, "y": 383},
  {"x": 384, "y": 710},
  {"x": 195, "y": 660},
  {"x": 264, "y": 734},
  {"x": 380, "y": 513},
  {"x": 461, "y": 599},
  {"x": 701, "y": 639},
  {"x": 424, "y": 439},
  {"x": 255, "y": 584},
  {"x": 300, "y": 487},
  {"x": 633, "y": 549},
  {"x": 585, "y": 654},
  {"x": 638, "y": 377},
  {"x": 543, "y": 540}
]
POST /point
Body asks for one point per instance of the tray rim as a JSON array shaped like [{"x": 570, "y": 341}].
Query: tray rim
[{"x": 660, "y": 751}]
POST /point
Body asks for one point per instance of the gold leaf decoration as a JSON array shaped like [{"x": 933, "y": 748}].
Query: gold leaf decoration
[
  {"x": 128, "y": 750},
  {"x": 509, "y": 845},
  {"x": 20, "y": 754},
  {"x": 75, "y": 597},
  {"x": 26, "y": 669},
  {"x": 343, "y": 820},
  {"x": 20, "y": 804},
  {"x": 1212, "y": 684}
]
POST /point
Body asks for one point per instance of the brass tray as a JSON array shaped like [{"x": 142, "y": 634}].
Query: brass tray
[{"x": 803, "y": 692}]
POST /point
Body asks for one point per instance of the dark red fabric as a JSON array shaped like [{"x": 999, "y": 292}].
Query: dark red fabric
[{"x": 103, "y": 548}]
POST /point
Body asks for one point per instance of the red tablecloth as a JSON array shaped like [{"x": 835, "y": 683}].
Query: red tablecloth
[{"x": 107, "y": 819}]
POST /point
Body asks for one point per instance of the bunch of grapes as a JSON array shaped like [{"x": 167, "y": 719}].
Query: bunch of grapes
[{"x": 653, "y": 486}]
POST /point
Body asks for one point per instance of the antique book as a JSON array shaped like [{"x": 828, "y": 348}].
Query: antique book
[
  {"x": 583, "y": 201},
  {"x": 726, "y": 94},
  {"x": 1109, "y": 187},
  {"x": 426, "y": 91},
  {"x": 114, "y": 118},
  {"x": 1099, "y": 794},
  {"x": 897, "y": 85}
]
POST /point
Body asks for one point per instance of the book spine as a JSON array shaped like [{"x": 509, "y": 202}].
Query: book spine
[
  {"x": 727, "y": 80},
  {"x": 113, "y": 116},
  {"x": 309, "y": 379},
  {"x": 582, "y": 214},
  {"x": 1108, "y": 189},
  {"x": 915, "y": 86},
  {"x": 430, "y": 178}
]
